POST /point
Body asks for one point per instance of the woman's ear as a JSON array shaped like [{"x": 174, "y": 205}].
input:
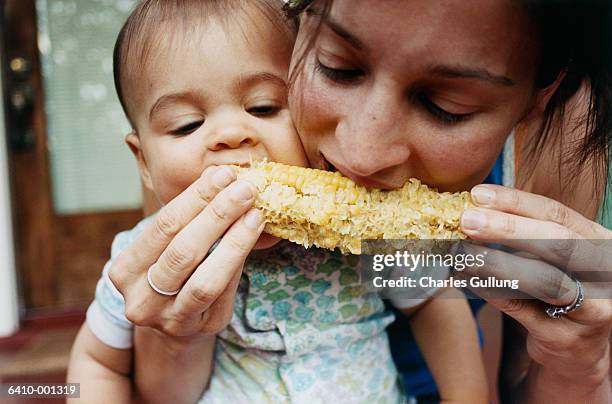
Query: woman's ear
[
  {"x": 133, "y": 141},
  {"x": 543, "y": 97}
]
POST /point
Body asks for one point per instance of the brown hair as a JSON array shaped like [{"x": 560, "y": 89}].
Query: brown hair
[{"x": 176, "y": 21}]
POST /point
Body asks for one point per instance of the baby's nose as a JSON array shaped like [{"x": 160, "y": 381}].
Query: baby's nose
[
  {"x": 231, "y": 133},
  {"x": 231, "y": 138}
]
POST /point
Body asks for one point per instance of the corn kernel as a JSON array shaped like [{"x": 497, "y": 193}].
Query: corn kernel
[{"x": 318, "y": 218}]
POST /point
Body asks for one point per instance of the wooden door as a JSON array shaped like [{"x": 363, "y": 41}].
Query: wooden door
[{"x": 59, "y": 255}]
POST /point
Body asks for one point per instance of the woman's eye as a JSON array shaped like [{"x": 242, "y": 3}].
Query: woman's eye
[
  {"x": 263, "y": 110},
  {"x": 188, "y": 128},
  {"x": 440, "y": 113},
  {"x": 339, "y": 75}
]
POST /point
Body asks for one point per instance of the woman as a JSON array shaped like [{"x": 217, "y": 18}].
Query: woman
[
  {"x": 388, "y": 90},
  {"x": 440, "y": 119},
  {"x": 417, "y": 117}
]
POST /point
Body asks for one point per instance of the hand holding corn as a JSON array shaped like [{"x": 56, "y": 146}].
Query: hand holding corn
[{"x": 322, "y": 208}]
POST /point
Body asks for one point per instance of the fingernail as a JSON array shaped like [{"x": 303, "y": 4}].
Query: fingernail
[
  {"x": 242, "y": 191},
  {"x": 473, "y": 220},
  {"x": 223, "y": 177},
  {"x": 253, "y": 219},
  {"x": 483, "y": 196}
]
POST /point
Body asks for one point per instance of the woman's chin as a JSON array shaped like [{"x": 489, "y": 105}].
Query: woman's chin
[{"x": 266, "y": 241}]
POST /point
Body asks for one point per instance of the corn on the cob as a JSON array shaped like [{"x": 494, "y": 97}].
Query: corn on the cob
[{"x": 325, "y": 209}]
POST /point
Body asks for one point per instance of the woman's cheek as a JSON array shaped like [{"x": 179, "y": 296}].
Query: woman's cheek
[
  {"x": 464, "y": 173},
  {"x": 459, "y": 163},
  {"x": 313, "y": 106}
]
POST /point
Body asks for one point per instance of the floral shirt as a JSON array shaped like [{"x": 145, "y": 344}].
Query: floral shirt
[{"x": 304, "y": 330}]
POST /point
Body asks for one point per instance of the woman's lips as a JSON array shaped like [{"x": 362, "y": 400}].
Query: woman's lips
[{"x": 364, "y": 181}]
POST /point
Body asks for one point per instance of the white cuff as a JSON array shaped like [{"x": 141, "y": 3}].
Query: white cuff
[
  {"x": 107, "y": 331},
  {"x": 403, "y": 304}
]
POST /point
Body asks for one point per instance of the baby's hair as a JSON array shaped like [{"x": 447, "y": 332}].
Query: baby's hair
[{"x": 177, "y": 21}]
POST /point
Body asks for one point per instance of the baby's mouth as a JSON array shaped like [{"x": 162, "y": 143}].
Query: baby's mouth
[{"x": 248, "y": 161}]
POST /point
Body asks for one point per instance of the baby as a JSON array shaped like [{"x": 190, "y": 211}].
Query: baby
[{"x": 203, "y": 83}]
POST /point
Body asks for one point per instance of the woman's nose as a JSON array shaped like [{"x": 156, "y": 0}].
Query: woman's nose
[
  {"x": 374, "y": 137},
  {"x": 230, "y": 131}
]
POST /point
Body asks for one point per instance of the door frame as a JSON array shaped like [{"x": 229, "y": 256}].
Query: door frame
[
  {"x": 9, "y": 292},
  {"x": 29, "y": 167},
  {"x": 59, "y": 257}
]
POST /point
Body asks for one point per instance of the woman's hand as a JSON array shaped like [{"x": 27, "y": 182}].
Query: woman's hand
[
  {"x": 571, "y": 353},
  {"x": 175, "y": 246}
]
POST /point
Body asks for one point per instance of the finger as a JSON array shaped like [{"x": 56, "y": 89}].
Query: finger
[
  {"x": 147, "y": 248},
  {"x": 522, "y": 233},
  {"x": 504, "y": 272},
  {"x": 490, "y": 223},
  {"x": 531, "y": 314},
  {"x": 219, "y": 314},
  {"x": 566, "y": 341},
  {"x": 192, "y": 243},
  {"x": 212, "y": 277},
  {"x": 594, "y": 312},
  {"x": 552, "y": 242},
  {"x": 534, "y": 206}
]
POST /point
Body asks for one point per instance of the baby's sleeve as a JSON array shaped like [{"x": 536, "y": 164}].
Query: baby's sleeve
[
  {"x": 410, "y": 297},
  {"x": 106, "y": 314},
  {"x": 407, "y": 303}
]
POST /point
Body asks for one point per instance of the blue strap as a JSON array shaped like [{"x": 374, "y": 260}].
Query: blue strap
[{"x": 410, "y": 363}]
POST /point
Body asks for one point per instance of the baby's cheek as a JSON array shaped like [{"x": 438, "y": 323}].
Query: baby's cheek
[
  {"x": 283, "y": 143},
  {"x": 172, "y": 179}
]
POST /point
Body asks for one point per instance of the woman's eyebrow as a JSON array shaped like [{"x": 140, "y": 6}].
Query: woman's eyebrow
[
  {"x": 338, "y": 29},
  {"x": 168, "y": 99},
  {"x": 471, "y": 73},
  {"x": 445, "y": 71}
]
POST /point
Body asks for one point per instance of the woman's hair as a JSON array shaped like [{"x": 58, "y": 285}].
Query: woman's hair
[{"x": 574, "y": 39}]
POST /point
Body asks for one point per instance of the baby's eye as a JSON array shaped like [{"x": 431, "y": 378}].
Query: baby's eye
[
  {"x": 263, "y": 110},
  {"x": 187, "y": 129}
]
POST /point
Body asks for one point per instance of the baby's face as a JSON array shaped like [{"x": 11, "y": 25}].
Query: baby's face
[{"x": 215, "y": 96}]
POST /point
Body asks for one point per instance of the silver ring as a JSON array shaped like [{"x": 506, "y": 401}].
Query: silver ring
[
  {"x": 158, "y": 290},
  {"x": 558, "y": 311}
]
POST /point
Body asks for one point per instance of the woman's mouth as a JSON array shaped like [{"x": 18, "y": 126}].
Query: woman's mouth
[
  {"x": 364, "y": 181},
  {"x": 327, "y": 166}
]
